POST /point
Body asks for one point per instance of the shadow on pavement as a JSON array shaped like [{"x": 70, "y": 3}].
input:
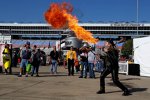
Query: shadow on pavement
[
  {"x": 132, "y": 90},
  {"x": 138, "y": 89},
  {"x": 130, "y": 79},
  {"x": 50, "y": 75}
]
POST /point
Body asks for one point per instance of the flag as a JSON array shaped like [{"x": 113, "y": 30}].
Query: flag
[{"x": 49, "y": 45}]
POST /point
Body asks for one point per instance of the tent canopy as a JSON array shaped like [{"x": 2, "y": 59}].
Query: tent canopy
[{"x": 141, "y": 47}]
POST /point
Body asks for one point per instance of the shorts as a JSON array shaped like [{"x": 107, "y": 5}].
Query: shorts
[{"x": 24, "y": 63}]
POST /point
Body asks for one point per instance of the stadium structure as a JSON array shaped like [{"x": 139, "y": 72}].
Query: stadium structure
[{"x": 44, "y": 35}]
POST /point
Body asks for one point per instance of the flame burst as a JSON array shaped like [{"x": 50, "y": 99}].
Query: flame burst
[{"x": 59, "y": 16}]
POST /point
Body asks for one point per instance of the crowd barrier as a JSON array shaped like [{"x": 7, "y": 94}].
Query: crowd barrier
[
  {"x": 129, "y": 69},
  {"x": 123, "y": 67}
]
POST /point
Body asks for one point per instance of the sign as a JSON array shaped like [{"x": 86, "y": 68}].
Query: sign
[
  {"x": 126, "y": 24},
  {"x": 2, "y": 46},
  {"x": 5, "y": 39}
]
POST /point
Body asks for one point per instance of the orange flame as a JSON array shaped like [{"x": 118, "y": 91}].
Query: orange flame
[{"x": 59, "y": 16}]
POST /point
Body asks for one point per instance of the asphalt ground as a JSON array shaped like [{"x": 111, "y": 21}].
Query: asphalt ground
[{"x": 63, "y": 87}]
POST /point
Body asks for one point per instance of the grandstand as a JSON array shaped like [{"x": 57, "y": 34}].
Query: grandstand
[
  {"x": 44, "y": 35},
  {"x": 39, "y": 43}
]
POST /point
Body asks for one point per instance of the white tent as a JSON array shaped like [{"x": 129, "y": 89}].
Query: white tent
[{"x": 141, "y": 48}]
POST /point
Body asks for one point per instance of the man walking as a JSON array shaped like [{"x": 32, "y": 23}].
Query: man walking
[
  {"x": 25, "y": 55},
  {"x": 54, "y": 58}
]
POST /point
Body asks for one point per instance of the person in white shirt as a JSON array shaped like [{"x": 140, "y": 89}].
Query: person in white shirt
[
  {"x": 84, "y": 61},
  {"x": 91, "y": 60}
]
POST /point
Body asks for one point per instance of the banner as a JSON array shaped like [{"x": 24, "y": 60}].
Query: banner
[
  {"x": 5, "y": 39},
  {"x": 2, "y": 46}
]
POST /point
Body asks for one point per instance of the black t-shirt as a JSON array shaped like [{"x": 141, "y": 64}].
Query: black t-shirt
[
  {"x": 112, "y": 59},
  {"x": 84, "y": 57},
  {"x": 54, "y": 55},
  {"x": 26, "y": 54}
]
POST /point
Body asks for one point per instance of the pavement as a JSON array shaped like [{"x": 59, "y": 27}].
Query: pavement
[{"x": 63, "y": 87}]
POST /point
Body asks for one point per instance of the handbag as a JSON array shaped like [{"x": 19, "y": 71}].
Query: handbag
[{"x": 28, "y": 67}]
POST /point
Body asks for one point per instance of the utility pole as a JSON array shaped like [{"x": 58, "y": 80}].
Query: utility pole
[
  {"x": 137, "y": 16},
  {"x": 10, "y": 69}
]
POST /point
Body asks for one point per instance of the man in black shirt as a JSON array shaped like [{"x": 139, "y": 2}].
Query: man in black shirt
[
  {"x": 110, "y": 57},
  {"x": 54, "y": 57}
]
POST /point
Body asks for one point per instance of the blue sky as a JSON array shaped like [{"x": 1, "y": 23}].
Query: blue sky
[{"x": 86, "y": 10}]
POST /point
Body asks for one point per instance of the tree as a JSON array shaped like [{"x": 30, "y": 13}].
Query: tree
[{"x": 127, "y": 48}]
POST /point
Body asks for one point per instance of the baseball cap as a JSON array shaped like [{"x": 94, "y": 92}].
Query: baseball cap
[{"x": 28, "y": 43}]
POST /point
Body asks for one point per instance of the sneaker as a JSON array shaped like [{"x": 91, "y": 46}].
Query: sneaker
[
  {"x": 101, "y": 92},
  {"x": 81, "y": 77},
  {"x": 85, "y": 77},
  {"x": 37, "y": 75},
  {"x": 6, "y": 73},
  {"x": 92, "y": 77},
  {"x": 31, "y": 74},
  {"x": 26, "y": 76},
  {"x": 19, "y": 75}
]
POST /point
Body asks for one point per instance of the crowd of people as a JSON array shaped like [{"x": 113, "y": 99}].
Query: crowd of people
[{"x": 84, "y": 60}]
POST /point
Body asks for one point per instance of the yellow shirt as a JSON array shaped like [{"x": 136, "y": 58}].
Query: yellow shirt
[
  {"x": 6, "y": 54},
  {"x": 6, "y": 58},
  {"x": 71, "y": 55}
]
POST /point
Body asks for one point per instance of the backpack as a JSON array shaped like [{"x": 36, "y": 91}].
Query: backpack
[{"x": 37, "y": 57}]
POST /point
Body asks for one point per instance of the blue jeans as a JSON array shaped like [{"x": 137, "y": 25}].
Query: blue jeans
[
  {"x": 91, "y": 71},
  {"x": 84, "y": 69},
  {"x": 54, "y": 66},
  {"x": 99, "y": 66},
  {"x": 35, "y": 68}
]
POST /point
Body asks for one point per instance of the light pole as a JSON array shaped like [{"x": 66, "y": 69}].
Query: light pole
[
  {"x": 10, "y": 69},
  {"x": 137, "y": 16},
  {"x": 60, "y": 55},
  {"x": 60, "y": 39}
]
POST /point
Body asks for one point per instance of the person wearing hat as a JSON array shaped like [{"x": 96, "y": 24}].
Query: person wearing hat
[
  {"x": 110, "y": 56},
  {"x": 25, "y": 58}
]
